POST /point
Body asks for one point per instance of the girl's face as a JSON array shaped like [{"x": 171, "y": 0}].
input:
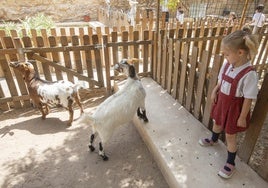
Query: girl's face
[{"x": 232, "y": 56}]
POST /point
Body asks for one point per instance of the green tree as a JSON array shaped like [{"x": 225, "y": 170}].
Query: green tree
[{"x": 171, "y": 4}]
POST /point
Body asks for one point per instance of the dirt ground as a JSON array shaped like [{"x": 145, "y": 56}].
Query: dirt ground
[{"x": 46, "y": 153}]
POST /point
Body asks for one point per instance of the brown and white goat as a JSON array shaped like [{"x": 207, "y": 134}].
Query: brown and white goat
[{"x": 46, "y": 93}]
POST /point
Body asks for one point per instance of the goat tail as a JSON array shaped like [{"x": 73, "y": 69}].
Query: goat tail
[
  {"x": 85, "y": 118},
  {"x": 79, "y": 85}
]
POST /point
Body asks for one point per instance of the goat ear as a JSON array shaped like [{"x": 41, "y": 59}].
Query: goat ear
[
  {"x": 132, "y": 61},
  {"x": 132, "y": 71},
  {"x": 135, "y": 60}
]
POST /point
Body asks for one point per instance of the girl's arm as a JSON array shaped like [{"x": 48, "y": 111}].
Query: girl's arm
[
  {"x": 214, "y": 92},
  {"x": 241, "y": 122}
]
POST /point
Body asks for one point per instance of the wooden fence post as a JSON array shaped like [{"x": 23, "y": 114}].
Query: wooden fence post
[
  {"x": 107, "y": 65},
  {"x": 257, "y": 120}
]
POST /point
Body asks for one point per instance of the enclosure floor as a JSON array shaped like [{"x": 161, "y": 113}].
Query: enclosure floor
[{"x": 172, "y": 135}]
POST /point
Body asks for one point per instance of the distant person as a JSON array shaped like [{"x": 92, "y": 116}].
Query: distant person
[
  {"x": 231, "y": 19},
  {"x": 180, "y": 15},
  {"x": 232, "y": 96},
  {"x": 258, "y": 19},
  {"x": 164, "y": 8}
]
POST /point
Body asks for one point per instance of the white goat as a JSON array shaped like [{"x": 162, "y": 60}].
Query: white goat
[{"x": 118, "y": 109}]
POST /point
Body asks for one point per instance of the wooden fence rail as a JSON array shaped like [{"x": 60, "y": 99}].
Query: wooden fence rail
[{"x": 184, "y": 61}]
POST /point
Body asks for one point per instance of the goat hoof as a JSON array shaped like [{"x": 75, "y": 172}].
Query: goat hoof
[
  {"x": 105, "y": 158},
  {"x": 91, "y": 148}
]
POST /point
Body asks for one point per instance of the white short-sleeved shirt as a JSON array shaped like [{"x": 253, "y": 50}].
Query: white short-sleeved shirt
[
  {"x": 247, "y": 86},
  {"x": 259, "y": 19}
]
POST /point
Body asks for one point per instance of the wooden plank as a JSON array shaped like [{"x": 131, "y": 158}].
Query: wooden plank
[
  {"x": 62, "y": 68},
  {"x": 72, "y": 31},
  {"x": 27, "y": 42},
  {"x": 175, "y": 82},
  {"x": 88, "y": 56},
  {"x": 136, "y": 46},
  {"x": 257, "y": 120},
  {"x": 170, "y": 64},
  {"x": 201, "y": 81},
  {"x": 183, "y": 74},
  {"x": 63, "y": 32},
  {"x": 34, "y": 35},
  {"x": 45, "y": 37},
  {"x": 196, "y": 35},
  {"x": 263, "y": 168},
  {"x": 115, "y": 60},
  {"x": 3, "y": 106},
  {"x": 77, "y": 55},
  {"x": 191, "y": 82},
  {"x": 67, "y": 57},
  {"x": 53, "y": 32},
  {"x": 2, "y": 33},
  {"x": 20, "y": 80},
  {"x": 7, "y": 41},
  {"x": 14, "y": 99},
  {"x": 107, "y": 65},
  {"x": 213, "y": 78},
  {"x": 13, "y": 33},
  {"x": 218, "y": 45},
  {"x": 46, "y": 71},
  {"x": 81, "y": 34},
  {"x": 164, "y": 60},
  {"x": 145, "y": 51},
  {"x": 261, "y": 57},
  {"x": 211, "y": 42},
  {"x": 154, "y": 55},
  {"x": 124, "y": 47},
  {"x": 203, "y": 43},
  {"x": 98, "y": 62},
  {"x": 264, "y": 63},
  {"x": 55, "y": 56},
  {"x": 159, "y": 56},
  {"x": 24, "y": 32},
  {"x": 131, "y": 37}
]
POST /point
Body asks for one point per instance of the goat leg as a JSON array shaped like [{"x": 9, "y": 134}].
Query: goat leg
[
  {"x": 77, "y": 100},
  {"x": 42, "y": 110},
  {"x": 46, "y": 109},
  {"x": 101, "y": 152},
  {"x": 91, "y": 147},
  {"x": 71, "y": 113},
  {"x": 144, "y": 117},
  {"x": 139, "y": 113},
  {"x": 142, "y": 114}
]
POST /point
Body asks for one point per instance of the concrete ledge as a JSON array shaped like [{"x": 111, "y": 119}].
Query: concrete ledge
[{"x": 172, "y": 136}]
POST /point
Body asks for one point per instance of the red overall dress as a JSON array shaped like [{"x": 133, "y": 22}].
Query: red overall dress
[{"x": 227, "y": 109}]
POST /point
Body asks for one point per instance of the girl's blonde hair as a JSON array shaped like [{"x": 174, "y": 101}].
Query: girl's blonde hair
[{"x": 242, "y": 39}]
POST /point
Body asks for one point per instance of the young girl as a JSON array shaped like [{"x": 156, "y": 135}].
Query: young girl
[{"x": 232, "y": 96}]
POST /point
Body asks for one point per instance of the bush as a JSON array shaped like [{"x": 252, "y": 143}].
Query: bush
[{"x": 38, "y": 22}]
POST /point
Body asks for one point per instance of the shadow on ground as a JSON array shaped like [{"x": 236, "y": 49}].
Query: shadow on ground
[{"x": 47, "y": 153}]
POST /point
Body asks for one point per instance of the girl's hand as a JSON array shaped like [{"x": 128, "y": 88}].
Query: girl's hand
[
  {"x": 214, "y": 93},
  {"x": 241, "y": 122},
  {"x": 214, "y": 97}
]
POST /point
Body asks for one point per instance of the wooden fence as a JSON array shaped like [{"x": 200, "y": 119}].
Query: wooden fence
[
  {"x": 146, "y": 20},
  {"x": 184, "y": 61}
]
